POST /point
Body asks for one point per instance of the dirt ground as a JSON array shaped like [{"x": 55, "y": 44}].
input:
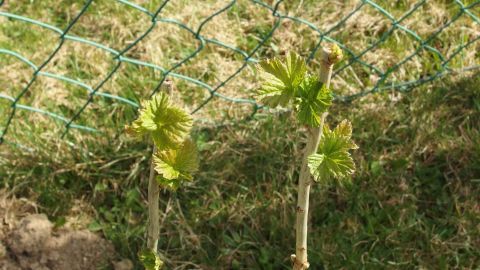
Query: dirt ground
[{"x": 29, "y": 241}]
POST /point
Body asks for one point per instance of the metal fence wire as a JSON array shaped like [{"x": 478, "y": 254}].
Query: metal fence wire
[{"x": 119, "y": 56}]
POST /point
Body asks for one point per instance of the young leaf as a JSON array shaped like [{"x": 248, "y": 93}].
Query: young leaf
[
  {"x": 150, "y": 260},
  {"x": 333, "y": 159},
  {"x": 336, "y": 54},
  {"x": 171, "y": 184},
  {"x": 165, "y": 123},
  {"x": 315, "y": 98},
  {"x": 176, "y": 165},
  {"x": 281, "y": 80}
]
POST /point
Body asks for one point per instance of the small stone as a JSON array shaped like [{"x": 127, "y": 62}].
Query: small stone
[
  {"x": 124, "y": 264},
  {"x": 31, "y": 235}
]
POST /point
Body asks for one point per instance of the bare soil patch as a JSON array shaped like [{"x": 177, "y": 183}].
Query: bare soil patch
[{"x": 29, "y": 241}]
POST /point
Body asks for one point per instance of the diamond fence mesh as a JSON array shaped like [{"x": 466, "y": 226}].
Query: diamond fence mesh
[{"x": 425, "y": 47}]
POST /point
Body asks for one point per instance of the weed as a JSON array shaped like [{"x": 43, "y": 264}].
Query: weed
[{"x": 175, "y": 159}]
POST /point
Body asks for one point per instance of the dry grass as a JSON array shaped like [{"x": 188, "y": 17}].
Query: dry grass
[
  {"x": 414, "y": 201},
  {"x": 116, "y": 25}
]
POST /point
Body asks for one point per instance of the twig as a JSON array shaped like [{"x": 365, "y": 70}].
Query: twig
[
  {"x": 153, "y": 230},
  {"x": 300, "y": 260}
]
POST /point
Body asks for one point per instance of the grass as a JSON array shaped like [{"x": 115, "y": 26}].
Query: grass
[{"x": 413, "y": 202}]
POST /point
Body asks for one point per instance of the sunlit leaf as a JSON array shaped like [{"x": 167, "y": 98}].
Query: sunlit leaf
[
  {"x": 281, "y": 80},
  {"x": 315, "y": 99},
  {"x": 336, "y": 54},
  {"x": 333, "y": 159},
  {"x": 150, "y": 260},
  {"x": 165, "y": 123},
  {"x": 171, "y": 184},
  {"x": 176, "y": 164}
]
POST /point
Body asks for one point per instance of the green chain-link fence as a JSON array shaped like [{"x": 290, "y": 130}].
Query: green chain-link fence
[{"x": 119, "y": 56}]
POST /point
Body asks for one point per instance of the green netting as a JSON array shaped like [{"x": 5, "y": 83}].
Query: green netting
[{"x": 383, "y": 84}]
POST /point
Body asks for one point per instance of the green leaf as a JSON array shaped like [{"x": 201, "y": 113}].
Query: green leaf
[
  {"x": 165, "y": 123},
  {"x": 333, "y": 159},
  {"x": 171, "y": 184},
  {"x": 280, "y": 81},
  {"x": 150, "y": 260},
  {"x": 315, "y": 99},
  {"x": 94, "y": 226},
  {"x": 176, "y": 164},
  {"x": 336, "y": 54}
]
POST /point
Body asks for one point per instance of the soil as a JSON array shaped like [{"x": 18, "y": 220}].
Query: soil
[{"x": 29, "y": 241}]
